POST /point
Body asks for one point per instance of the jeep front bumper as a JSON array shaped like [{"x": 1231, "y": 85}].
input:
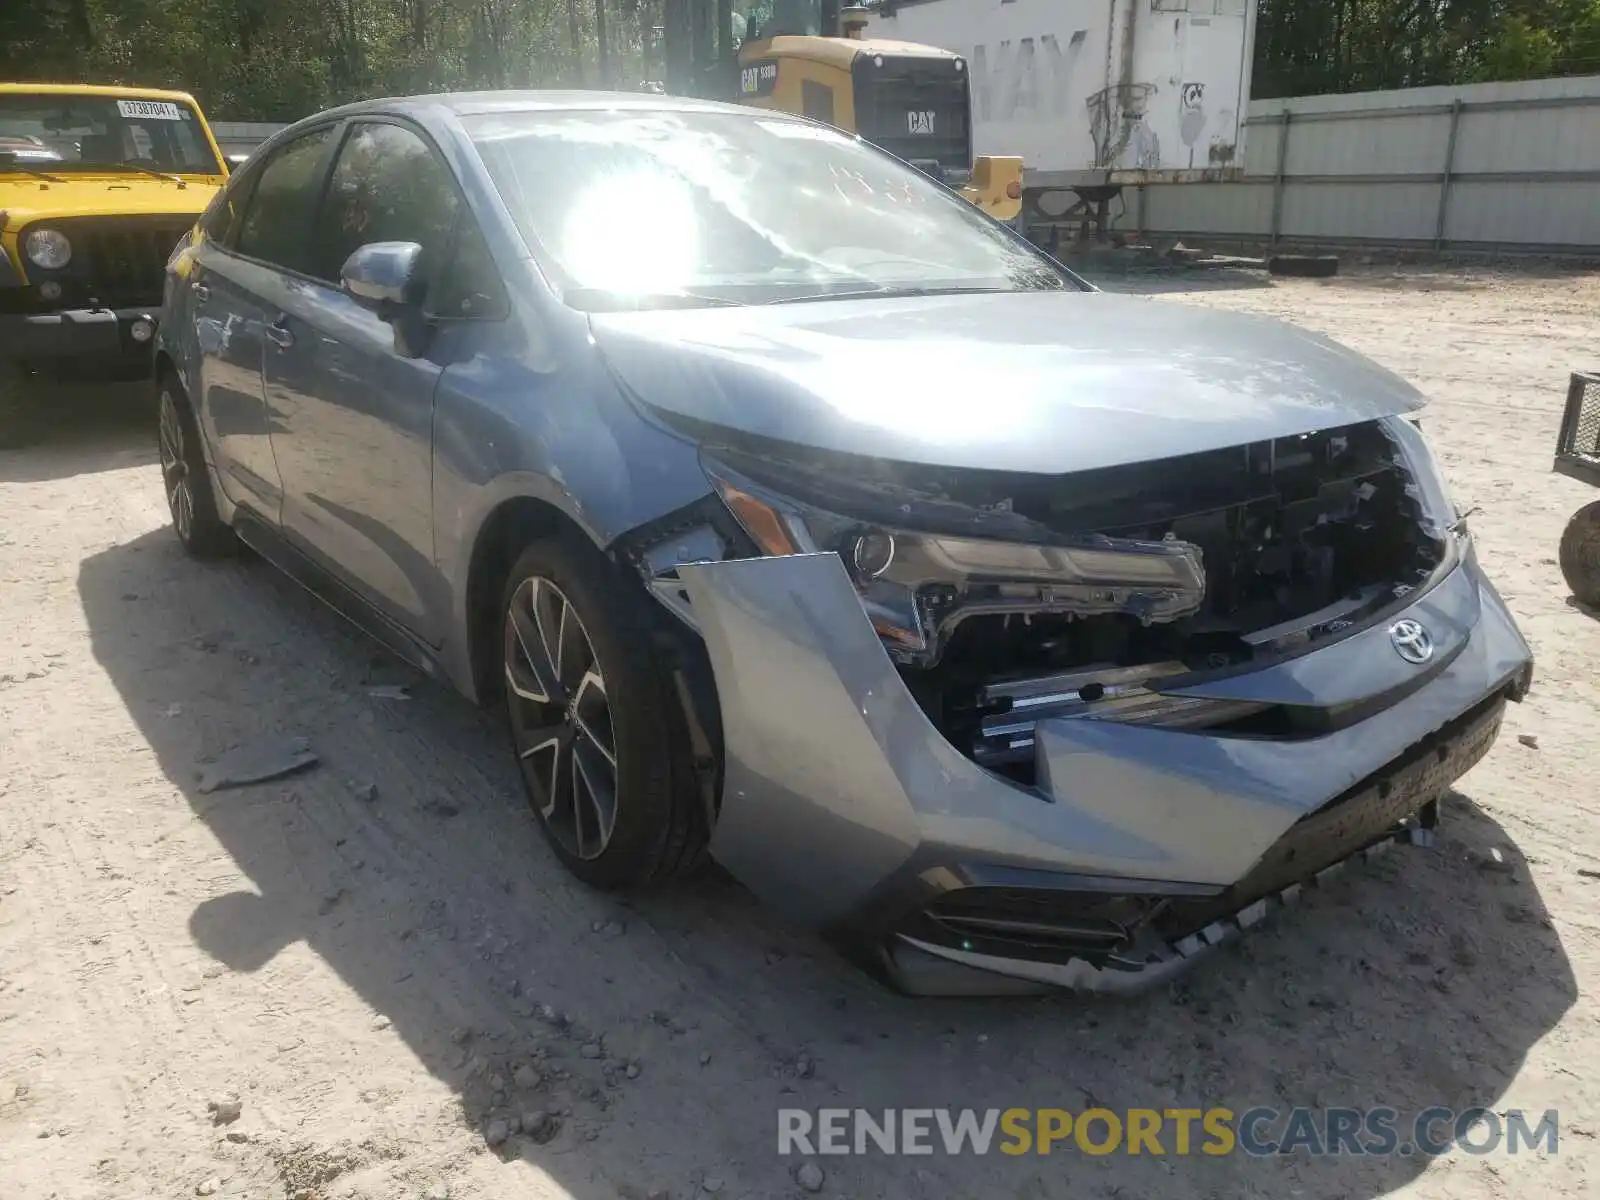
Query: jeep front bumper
[
  {"x": 845, "y": 808},
  {"x": 80, "y": 334}
]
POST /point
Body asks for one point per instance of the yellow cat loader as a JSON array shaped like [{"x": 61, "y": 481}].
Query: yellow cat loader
[{"x": 810, "y": 57}]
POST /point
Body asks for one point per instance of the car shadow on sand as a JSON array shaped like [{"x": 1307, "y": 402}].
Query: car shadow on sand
[
  {"x": 61, "y": 429},
  {"x": 650, "y": 1043}
]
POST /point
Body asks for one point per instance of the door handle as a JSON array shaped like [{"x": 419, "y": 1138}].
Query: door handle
[
  {"x": 279, "y": 335},
  {"x": 200, "y": 290}
]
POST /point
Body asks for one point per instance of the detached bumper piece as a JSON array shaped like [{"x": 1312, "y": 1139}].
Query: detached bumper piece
[
  {"x": 78, "y": 333},
  {"x": 1134, "y": 848},
  {"x": 1125, "y": 942}
]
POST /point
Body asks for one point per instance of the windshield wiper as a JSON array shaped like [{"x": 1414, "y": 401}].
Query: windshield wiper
[
  {"x": 880, "y": 293},
  {"x": 138, "y": 166},
  {"x": 607, "y": 300},
  {"x": 11, "y": 158}
]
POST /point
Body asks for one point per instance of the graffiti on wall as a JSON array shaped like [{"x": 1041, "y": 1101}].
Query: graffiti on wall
[
  {"x": 1192, "y": 127},
  {"x": 1192, "y": 119},
  {"x": 1028, "y": 77},
  {"x": 1117, "y": 126}
]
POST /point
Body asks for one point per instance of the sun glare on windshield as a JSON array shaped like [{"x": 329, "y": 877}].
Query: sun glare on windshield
[{"x": 633, "y": 231}]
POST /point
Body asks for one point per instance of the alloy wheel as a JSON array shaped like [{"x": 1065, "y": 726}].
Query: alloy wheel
[
  {"x": 561, "y": 717},
  {"x": 175, "y": 468}
]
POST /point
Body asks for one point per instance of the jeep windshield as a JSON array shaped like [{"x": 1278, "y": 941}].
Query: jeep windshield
[
  {"x": 62, "y": 132},
  {"x": 638, "y": 209}
]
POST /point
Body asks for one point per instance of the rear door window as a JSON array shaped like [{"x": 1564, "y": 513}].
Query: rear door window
[{"x": 280, "y": 209}]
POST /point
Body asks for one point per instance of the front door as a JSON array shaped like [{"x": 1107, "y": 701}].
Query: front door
[{"x": 353, "y": 434}]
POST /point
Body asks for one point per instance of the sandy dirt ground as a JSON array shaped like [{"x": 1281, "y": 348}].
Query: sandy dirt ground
[{"x": 367, "y": 953}]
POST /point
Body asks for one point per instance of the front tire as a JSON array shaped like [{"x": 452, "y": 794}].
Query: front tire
[
  {"x": 593, "y": 720},
  {"x": 1580, "y": 554},
  {"x": 186, "y": 481}
]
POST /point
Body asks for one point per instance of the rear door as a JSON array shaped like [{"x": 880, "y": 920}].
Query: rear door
[
  {"x": 244, "y": 247},
  {"x": 353, "y": 428}
]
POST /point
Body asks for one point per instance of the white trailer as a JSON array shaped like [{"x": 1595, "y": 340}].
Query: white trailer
[{"x": 1096, "y": 94}]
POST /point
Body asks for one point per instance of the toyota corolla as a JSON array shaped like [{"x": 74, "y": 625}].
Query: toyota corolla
[{"x": 1010, "y": 633}]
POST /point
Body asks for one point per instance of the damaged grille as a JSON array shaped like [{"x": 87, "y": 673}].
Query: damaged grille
[
  {"x": 1006, "y": 598},
  {"x": 1302, "y": 539}
]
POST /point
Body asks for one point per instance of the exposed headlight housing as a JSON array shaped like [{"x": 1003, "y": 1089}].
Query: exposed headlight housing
[
  {"x": 1439, "y": 512},
  {"x": 916, "y": 583},
  {"x": 48, "y": 249}
]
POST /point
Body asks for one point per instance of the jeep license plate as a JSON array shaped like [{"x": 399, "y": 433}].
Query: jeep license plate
[{"x": 150, "y": 110}]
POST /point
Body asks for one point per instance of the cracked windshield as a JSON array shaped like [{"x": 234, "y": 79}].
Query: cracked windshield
[
  {"x": 660, "y": 209},
  {"x": 67, "y": 133}
]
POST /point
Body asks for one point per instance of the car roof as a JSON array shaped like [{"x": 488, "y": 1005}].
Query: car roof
[
  {"x": 471, "y": 104},
  {"x": 94, "y": 89}
]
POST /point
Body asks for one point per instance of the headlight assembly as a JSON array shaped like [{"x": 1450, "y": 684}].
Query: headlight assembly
[
  {"x": 915, "y": 584},
  {"x": 47, "y": 248}
]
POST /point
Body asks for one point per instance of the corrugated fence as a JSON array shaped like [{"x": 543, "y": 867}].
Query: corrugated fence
[{"x": 1511, "y": 167}]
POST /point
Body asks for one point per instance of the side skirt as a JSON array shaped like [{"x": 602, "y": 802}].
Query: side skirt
[{"x": 395, "y": 638}]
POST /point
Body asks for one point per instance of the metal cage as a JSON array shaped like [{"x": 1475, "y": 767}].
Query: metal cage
[{"x": 1578, "y": 446}]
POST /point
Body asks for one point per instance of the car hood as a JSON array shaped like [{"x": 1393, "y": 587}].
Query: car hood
[
  {"x": 1045, "y": 382},
  {"x": 26, "y": 198}
]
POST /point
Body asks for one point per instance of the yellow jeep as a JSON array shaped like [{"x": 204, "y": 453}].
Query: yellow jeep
[{"x": 97, "y": 185}]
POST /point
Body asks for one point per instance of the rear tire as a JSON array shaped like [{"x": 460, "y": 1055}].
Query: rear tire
[
  {"x": 594, "y": 721},
  {"x": 1580, "y": 554},
  {"x": 185, "y": 479}
]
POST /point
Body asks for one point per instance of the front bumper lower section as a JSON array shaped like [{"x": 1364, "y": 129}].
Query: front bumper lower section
[
  {"x": 844, "y": 807},
  {"x": 78, "y": 334}
]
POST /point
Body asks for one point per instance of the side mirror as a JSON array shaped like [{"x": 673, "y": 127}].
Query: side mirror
[{"x": 383, "y": 276}]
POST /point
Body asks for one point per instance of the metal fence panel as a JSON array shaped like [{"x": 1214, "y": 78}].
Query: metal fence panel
[{"x": 1510, "y": 166}]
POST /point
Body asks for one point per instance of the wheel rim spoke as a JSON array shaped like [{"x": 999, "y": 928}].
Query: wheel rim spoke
[
  {"x": 559, "y": 658},
  {"x": 592, "y": 715},
  {"x": 561, "y": 718},
  {"x": 530, "y": 675},
  {"x": 543, "y": 598},
  {"x": 598, "y": 787},
  {"x": 542, "y": 740}
]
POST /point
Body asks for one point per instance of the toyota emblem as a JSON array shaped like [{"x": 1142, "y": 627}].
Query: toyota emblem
[{"x": 1411, "y": 641}]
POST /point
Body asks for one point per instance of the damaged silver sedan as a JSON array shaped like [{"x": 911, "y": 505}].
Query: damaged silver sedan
[{"x": 1011, "y": 634}]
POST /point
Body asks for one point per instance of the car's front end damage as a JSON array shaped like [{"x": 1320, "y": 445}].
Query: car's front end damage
[{"x": 1000, "y": 729}]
